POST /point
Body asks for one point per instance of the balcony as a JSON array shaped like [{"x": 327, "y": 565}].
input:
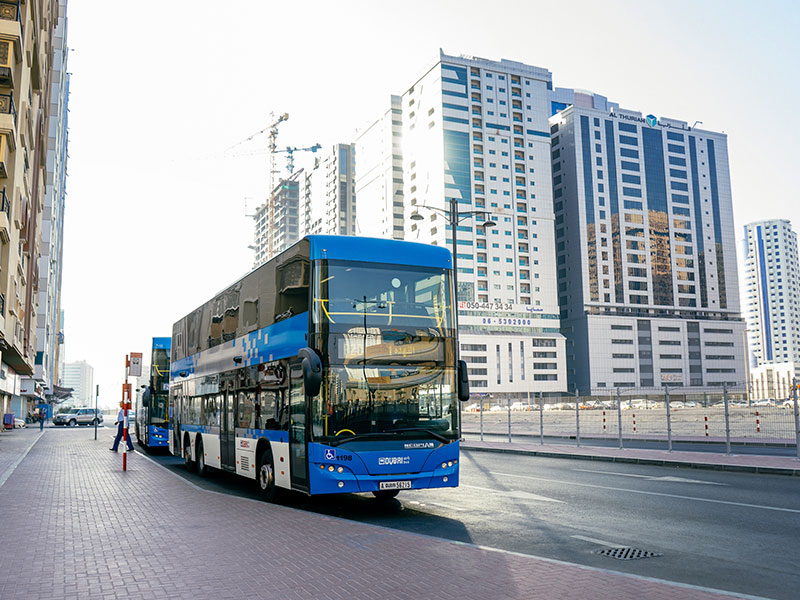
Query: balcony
[
  {"x": 10, "y": 24},
  {"x": 5, "y": 166},
  {"x": 6, "y": 63},
  {"x": 8, "y": 114}
]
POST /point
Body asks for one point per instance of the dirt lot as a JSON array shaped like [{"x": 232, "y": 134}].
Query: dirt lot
[{"x": 765, "y": 424}]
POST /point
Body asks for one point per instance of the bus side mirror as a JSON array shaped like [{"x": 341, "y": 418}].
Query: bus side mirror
[
  {"x": 463, "y": 382},
  {"x": 312, "y": 371},
  {"x": 146, "y": 396}
]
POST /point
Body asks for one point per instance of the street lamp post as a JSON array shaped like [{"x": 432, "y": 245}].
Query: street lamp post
[{"x": 455, "y": 217}]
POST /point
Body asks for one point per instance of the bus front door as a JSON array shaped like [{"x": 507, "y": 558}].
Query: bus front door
[
  {"x": 298, "y": 460},
  {"x": 227, "y": 436}
]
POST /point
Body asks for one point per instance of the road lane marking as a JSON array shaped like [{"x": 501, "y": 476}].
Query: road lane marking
[
  {"x": 517, "y": 494},
  {"x": 596, "y": 541},
  {"x": 439, "y": 504},
  {"x": 668, "y": 479},
  {"x": 646, "y": 493}
]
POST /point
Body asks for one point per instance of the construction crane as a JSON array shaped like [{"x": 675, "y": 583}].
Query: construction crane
[
  {"x": 272, "y": 147},
  {"x": 290, "y": 150}
]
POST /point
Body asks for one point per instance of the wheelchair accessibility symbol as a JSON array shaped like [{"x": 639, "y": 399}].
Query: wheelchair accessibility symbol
[{"x": 330, "y": 454}]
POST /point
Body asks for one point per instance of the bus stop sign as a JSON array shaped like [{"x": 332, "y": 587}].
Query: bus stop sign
[{"x": 135, "y": 369}]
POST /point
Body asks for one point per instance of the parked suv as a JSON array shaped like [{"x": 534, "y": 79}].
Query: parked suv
[{"x": 78, "y": 416}]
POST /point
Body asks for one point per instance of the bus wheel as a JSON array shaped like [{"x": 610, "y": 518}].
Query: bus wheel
[
  {"x": 265, "y": 477},
  {"x": 385, "y": 494},
  {"x": 187, "y": 455},
  {"x": 202, "y": 470}
]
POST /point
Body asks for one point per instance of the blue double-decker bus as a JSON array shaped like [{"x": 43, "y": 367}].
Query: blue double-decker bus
[
  {"x": 152, "y": 404},
  {"x": 330, "y": 369}
]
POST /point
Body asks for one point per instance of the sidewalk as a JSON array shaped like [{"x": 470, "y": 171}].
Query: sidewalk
[
  {"x": 184, "y": 542},
  {"x": 779, "y": 465}
]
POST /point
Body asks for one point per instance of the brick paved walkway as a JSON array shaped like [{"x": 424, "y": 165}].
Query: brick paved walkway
[{"x": 184, "y": 542}]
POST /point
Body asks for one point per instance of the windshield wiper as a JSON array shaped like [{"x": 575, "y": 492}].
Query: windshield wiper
[
  {"x": 383, "y": 434},
  {"x": 433, "y": 434},
  {"x": 358, "y": 436}
]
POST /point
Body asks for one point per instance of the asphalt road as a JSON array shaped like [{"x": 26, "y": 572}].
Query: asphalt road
[{"x": 729, "y": 531}]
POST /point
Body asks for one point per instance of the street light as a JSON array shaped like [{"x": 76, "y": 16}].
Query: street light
[{"x": 455, "y": 218}]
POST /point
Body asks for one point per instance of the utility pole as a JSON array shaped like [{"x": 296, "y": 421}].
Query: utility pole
[{"x": 96, "y": 395}]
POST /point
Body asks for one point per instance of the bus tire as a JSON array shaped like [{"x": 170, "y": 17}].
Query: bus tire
[
  {"x": 202, "y": 469},
  {"x": 385, "y": 494},
  {"x": 187, "y": 455},
  {"x": 265, "y": 477}
]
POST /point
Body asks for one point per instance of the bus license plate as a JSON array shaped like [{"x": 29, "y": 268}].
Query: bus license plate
[{"x": 395, "y": 485}]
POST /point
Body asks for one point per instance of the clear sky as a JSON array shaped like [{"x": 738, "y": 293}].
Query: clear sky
[{"x": 155, "y": 217}]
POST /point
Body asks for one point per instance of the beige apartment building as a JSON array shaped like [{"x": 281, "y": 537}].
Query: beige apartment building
[{"x": 26, "y": 49}]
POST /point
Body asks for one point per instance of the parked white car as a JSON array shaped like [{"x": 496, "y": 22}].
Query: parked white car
[{"x": 19, "y": 423}]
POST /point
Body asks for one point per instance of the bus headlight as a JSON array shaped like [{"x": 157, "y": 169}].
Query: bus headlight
[
  {"x": 340, "y": 470},
  {"x": 341, "y": 484},
  {"x": 449, "y": 463},
  {"x": 444, "y": 465},
  {"x": 330, "y": 468}
]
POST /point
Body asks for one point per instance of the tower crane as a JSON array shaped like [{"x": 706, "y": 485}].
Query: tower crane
[{"x": 290, "y": 150}]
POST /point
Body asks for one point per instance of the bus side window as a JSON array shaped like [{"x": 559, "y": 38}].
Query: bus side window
[
  {"x": 292, "y": 287},
  {"x": 283, "y": 410},
  {"x": 268, "y": 409},
  {"x": 245, "y": 410}
]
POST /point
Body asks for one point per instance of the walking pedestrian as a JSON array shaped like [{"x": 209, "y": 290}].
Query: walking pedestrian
[
  {"x": 120, "y": 430},
  {"x": 41, "y": 420}
]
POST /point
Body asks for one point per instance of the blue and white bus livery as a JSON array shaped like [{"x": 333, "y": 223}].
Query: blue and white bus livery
[{"x": 330, "y": 369}]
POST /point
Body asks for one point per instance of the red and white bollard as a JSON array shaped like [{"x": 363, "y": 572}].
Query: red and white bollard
[
  {"x": 706, "y": 420},
  {"x": 758, "y": 423},
  {"x": 604, "y": 421},
  {"x": 126, "y": 405},
  {"x": 634, "y": 423}
]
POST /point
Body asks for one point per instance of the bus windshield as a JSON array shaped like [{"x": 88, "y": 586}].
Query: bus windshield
[
  {"x": 386, "y": 333},
  {"x": 398, "y": 400},
  {"x": 383, "y": 296}
]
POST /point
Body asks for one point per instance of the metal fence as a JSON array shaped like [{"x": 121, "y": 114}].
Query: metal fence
[{"x": 668, "y": 415}]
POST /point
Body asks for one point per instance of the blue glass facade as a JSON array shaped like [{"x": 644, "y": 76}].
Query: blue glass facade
[
  {"x": 588, "y": 190},
  {"x": 762, "y": 265},
  {"x": 712, "y": 176},
  {"x": 616, "y": 244},
  {"x": 658, "y": 217},
  {"x": 698, "y": 223}
]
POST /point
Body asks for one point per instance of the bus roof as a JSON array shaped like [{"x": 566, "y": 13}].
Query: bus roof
[
  {"x": 378, "y": 250},
  {"x": 162, "y": 343}
]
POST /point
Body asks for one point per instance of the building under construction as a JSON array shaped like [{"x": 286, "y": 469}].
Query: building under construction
[{"x": 278, "y": 221}]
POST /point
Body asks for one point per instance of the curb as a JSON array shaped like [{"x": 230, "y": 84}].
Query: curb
[
  {"x": 681, "y": 440},
  {"x": 643, "y": 461}
]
